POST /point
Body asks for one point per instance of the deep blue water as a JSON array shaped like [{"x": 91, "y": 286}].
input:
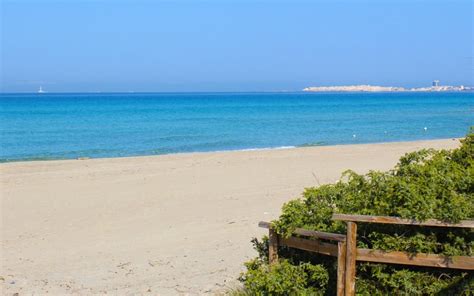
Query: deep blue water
[{"x": 57, "y": 126}]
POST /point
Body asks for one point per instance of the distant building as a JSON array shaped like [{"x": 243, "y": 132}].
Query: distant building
[{"x": 435, "y": 83}]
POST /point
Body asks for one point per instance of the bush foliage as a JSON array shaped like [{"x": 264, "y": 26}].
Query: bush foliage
[{"x": 427, "y": 184}]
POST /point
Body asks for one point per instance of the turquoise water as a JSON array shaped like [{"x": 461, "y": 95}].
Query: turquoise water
[{"x": 59, "y": 126}]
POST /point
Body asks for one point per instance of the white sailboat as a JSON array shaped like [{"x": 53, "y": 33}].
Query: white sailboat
[{"x": 40, "y": 90}]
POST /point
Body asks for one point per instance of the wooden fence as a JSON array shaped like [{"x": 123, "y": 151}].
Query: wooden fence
[{"x": 344, "y": 247}]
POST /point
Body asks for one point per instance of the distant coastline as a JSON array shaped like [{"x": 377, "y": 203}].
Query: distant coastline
[{"x": 376, "y": 88}]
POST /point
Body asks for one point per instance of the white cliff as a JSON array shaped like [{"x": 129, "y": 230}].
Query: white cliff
[{"x": 375, "y": 88}]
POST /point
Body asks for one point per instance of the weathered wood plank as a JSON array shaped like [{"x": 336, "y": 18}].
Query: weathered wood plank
[
  {"x": 309, "y": 245},
  {"x": 341, "y": 267},
  {"x": 421, "y": 259},
  {"x": 272, "y": 246},
  {"x": 264, "y": 224},
  {"x": 397, "y": 220},
  {"x": 311, "y": 233},
  {"x": 321, "y": 235},
  {"x": 351, "y": 254}
]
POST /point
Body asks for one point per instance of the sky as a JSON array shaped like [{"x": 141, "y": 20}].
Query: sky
[{"x": 174, "y": 46}]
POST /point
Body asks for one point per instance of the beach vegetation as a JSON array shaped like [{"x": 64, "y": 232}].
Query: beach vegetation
[{"x": 426, "y": 184}]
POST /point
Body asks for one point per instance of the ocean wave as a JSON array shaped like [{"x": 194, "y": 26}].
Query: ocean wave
[
  {"x": 63, "y": 155},
  {"x": 265, "y": 148},
  {"x": 313, "y": 144},
  {"x": 31, "y": 158}
]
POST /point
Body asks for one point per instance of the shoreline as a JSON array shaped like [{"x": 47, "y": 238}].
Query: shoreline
[
  {"x": 303, "y": 146},
  {"x": 168, "y": 224}
]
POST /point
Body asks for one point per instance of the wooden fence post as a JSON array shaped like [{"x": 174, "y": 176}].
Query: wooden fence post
[
  {"x": 272, "y": 246},
  {"x": 341, "y": 267},
  {"x": 351, "y": 255}
]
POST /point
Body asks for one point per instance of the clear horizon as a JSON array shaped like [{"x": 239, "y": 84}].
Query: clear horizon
[
  {"x": 232, "y": 46},
  {"x": 218, "y": 92}
]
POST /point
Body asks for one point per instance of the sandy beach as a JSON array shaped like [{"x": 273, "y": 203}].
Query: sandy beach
[{"x": 166, "y": 225}]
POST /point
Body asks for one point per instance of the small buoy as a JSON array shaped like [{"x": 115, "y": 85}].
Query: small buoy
[
  {"x": 425, "y": 128},
  {"x": 354, "y": 135}
]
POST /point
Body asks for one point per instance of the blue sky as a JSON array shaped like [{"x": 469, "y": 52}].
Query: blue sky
[{"x": 232, "y": 45}]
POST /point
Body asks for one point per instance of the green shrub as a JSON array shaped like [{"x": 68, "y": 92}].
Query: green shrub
[
  {"x": 427, "y": 184},
  {"x": 285, "y": 278}
]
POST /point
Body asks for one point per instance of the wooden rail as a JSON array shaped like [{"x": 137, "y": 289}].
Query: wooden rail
[
  {"x": 311, "y": 233},
  {"x": 401, "y": 221},
  {"x": 312, "y": 245},
  {"x": 347, "y": 252},
  {"x": 309, "y": 245},
  {"x": 419, "y": 259}
]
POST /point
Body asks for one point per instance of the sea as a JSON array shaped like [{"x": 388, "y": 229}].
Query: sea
[{"x": 50, "y": 126}]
